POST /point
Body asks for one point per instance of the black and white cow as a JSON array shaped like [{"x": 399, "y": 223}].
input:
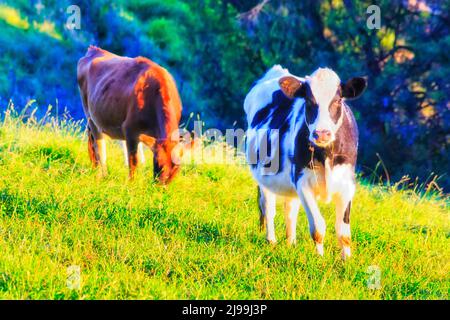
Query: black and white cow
[{"x": 302, "y": 143}]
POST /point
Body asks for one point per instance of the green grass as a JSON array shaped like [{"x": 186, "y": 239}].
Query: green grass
[{"x": 196, "y": 239}]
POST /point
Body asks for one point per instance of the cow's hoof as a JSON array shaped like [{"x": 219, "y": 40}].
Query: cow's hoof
[
  {"x": 101, "y": 174},
  {"x": 271, "y": 241},
  {"x": 291, "y": 242},
  {"x": 319, "y": 249},
  {"x": 346, "y": 253}
]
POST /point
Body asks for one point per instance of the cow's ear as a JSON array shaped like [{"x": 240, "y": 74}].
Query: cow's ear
[
  {"x": 354, "y": 87},
  {"x": 291, "y": 87}
]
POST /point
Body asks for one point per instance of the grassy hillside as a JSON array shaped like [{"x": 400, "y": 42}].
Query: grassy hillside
[{"x": 197, "y": 238}]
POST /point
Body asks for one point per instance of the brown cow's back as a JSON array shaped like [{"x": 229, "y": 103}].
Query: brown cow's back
[{"x": 115, "y": 89}]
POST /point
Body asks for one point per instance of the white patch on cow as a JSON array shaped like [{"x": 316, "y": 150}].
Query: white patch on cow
[
  {"x": 140, "y": 150},
  {"x": 276, "y": 178},
  {"x": 316, "y": 181},
  {"x": 324, "y": 84},
  {"x": 319, "y": 249},
  {"x": 277, "y": 71},
  {"x": 346, "y": 253},
  {"x": 269, "y": 211},
  {"x": 340, "y": 180},
  {"x": 344, "y": 230},
  {"x": 261, "y": 94},
  {"x": 258, "y": 141},
  {"x": 279, "y": 183},
  {"x": 291, "y": 207},
  {"x": 343, "y": 187}
]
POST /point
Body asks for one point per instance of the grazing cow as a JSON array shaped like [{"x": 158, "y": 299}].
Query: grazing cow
[
  {"x": 302, "y": 142},
  {"x": 131, "y": 99}
]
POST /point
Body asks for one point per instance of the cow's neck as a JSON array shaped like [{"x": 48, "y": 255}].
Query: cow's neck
[{"x": 340, "y": 151}]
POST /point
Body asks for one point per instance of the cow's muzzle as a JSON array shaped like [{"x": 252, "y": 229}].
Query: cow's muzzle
[{"x": 322, "y": 138}]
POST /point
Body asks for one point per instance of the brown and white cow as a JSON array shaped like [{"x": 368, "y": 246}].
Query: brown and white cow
[
  {"x": 131, "y": 99},
  {"x": 302, "y": 142}
]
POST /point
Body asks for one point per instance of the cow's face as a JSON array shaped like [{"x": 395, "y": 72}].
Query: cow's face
[
  {"x": 164, "y": 168},
  {"x": 323, "y": 93}
]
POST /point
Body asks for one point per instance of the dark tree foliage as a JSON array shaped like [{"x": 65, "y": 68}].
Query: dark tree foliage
[{"x": 217, "y": 49}]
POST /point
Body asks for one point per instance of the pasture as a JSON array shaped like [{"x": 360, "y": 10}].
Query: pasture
[{"x": 197, "y": 238}]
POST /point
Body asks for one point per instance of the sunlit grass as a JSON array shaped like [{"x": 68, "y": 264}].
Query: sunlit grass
[{"x": 197, "y": 238}]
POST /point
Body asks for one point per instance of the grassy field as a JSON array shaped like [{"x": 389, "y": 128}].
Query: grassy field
[{"x": 198, "y": 238}]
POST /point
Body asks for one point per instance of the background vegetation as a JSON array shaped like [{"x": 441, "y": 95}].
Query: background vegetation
[
  {"x": 217, "y": 49},
  {"x": 142, "y": 241}
]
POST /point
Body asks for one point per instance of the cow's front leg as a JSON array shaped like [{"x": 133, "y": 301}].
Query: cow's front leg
[
  {"x": 141, "y": 152},
  {"x": 317, "y": 225},
  {"x": 132, "y": 152},
  {"x": 291, "y": 206},
  {"x": 345, "y": 190},
  {"x": 343, "y": 203},
  {"x": 267, "y": 207},
  {"x": 343, "y": 227}
]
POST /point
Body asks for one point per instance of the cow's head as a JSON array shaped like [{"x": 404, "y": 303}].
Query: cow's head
[
  {"x": 164, "y": 168},
  {"x": 323, "y": 92},
  {"x": 168, "y": 155}
]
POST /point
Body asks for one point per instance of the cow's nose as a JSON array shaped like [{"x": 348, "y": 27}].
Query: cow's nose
[{"x": 322, "y": 136}]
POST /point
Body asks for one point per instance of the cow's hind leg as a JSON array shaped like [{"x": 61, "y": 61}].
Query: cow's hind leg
[
  {"x": 267, "y": 207},
  {"x": 291, "y": 207},
  {"x": 93, "y": 154},
  {"x": 96, "y": 147},
  {"x": 317, "y": 225},
  {"x": 101, "y": 145},
  {"x": 262, "y": 218}
]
